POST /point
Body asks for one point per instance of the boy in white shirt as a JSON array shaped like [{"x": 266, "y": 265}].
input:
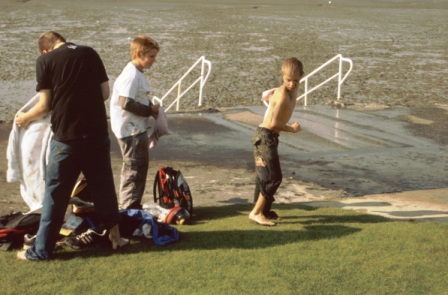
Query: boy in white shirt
[{"x": 130, "y": 109}]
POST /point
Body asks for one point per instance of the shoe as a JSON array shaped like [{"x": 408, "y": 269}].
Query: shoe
[
  {"x": 28, "y": 241},
  {"x": 87, "y": 238},
  {"x": 21, "y": 255}
]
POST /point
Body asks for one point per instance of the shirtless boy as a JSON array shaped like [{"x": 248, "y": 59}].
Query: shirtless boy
[{"x": 282, "y": 101}]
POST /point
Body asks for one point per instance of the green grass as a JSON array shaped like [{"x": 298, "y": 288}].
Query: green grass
[{"x": 310, "y": 251}]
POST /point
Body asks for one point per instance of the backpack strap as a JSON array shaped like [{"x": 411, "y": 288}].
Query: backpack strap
[{"x": 156, "y": 183}]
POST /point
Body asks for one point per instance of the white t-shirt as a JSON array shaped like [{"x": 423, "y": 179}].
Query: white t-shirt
[{"x": 133, "y": 84}]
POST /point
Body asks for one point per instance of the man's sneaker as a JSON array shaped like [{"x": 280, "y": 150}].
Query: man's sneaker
[
  {"x": 28, "y": 241},
  {"x": 87, "y": 238}
]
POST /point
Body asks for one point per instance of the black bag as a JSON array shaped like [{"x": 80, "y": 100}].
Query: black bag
[
  {"x": 14, "y": 226},
  {"x": 171, "y": 189}
]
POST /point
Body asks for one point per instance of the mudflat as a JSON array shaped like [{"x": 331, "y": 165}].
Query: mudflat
[{"x": 398, "y": 49}]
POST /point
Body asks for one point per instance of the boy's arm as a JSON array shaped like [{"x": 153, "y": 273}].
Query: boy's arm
[
  {"x": 139, "y": 109},
  {"x": 293, "y": 128},
  {"x": 39, "y": 110}
]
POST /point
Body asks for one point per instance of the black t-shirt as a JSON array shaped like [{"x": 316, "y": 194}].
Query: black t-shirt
[{"x": 74, "y": 73}]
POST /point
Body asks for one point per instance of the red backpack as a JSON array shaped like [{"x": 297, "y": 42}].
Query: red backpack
[
  {"x": 14, "y": 226},
  {"x": 171, "y": 189}
]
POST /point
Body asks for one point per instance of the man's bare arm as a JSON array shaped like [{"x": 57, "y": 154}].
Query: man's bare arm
[
  {"x": 105, "y": 90},
  {"x": 39, "y": 110}
]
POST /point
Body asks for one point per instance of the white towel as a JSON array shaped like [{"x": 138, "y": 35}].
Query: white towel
[
  {"x": 160, "y": 128},
  {"x": 27, "y": 155},
  {"x": 267, "y": 94}
]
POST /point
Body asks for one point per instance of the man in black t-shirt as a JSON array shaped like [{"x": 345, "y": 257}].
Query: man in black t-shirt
[
  {"x": 74, "y": 73},
  {"x": 72, "y": 85}
]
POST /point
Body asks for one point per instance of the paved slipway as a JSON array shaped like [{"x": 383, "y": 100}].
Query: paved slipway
[{"x": 387, "y": 161}]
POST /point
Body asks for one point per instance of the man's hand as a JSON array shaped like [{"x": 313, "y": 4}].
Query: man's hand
[
  {"x": 21, "y": 120},
  {"x": 39, "y": 110}
]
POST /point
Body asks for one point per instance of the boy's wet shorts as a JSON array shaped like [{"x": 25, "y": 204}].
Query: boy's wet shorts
[{"x": 267, "y": 162}]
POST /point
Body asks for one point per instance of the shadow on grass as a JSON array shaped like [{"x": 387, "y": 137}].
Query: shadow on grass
[
  {"x": 325, "y": 219},
  {"x": 223, "y": 240},
  {"x": 205, "y": 214},
  {"x": 260, "y": 238},
  {"x": 227, "y": 227}
]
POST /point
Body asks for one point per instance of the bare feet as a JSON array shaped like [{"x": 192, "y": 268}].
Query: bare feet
[
  {"x": 121, "y": 242},
  {"x": 116, "y": 239},
  {"x": 21, "y": 255},
  {"x": 260, "y": 219}
]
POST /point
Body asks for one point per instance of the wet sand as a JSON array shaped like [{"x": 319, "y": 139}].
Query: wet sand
[{"x": 398, "y": 49}]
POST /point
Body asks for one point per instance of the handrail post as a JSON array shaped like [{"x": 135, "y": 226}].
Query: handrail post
[
  {"x": 178, "y": 94},
  {"x": 339, "y": 77},
  {"x": 201, "y": 84},
  {"x": 306, "y": 92}
]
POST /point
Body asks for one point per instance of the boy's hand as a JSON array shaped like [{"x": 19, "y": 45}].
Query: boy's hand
[
  {"x": 155, "y": 110},
  {"x": 296, "y": 127}
]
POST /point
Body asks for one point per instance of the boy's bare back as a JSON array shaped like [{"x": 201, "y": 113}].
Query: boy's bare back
[{"x": 281, "y": 106}]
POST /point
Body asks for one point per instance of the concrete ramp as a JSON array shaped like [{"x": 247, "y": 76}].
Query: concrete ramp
[
  {"x": 343, "y": 129},
  {"x": 361, "y": 152}
]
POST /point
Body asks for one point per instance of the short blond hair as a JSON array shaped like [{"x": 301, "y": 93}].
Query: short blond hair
[
  {"x": 142, "y": 44},
  {"x": 48, "y": 40},
  {"x": 292, "y": 66}
]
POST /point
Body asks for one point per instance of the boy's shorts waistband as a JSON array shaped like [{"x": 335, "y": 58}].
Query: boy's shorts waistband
[{"x": 263, "y": 129}]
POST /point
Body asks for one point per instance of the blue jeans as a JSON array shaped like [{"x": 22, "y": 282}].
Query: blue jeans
[
  {"x": 267, "y": 166},
  {"x": 67, "y": 160}
]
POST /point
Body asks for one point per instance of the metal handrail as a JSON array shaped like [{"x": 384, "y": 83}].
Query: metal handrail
[
  {"x": 202, "y": 79},
  {"x": 341, "y": 79}
]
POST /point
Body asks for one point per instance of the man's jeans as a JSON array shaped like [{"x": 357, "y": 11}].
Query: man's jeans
[{"x": 67, "y": 160}]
